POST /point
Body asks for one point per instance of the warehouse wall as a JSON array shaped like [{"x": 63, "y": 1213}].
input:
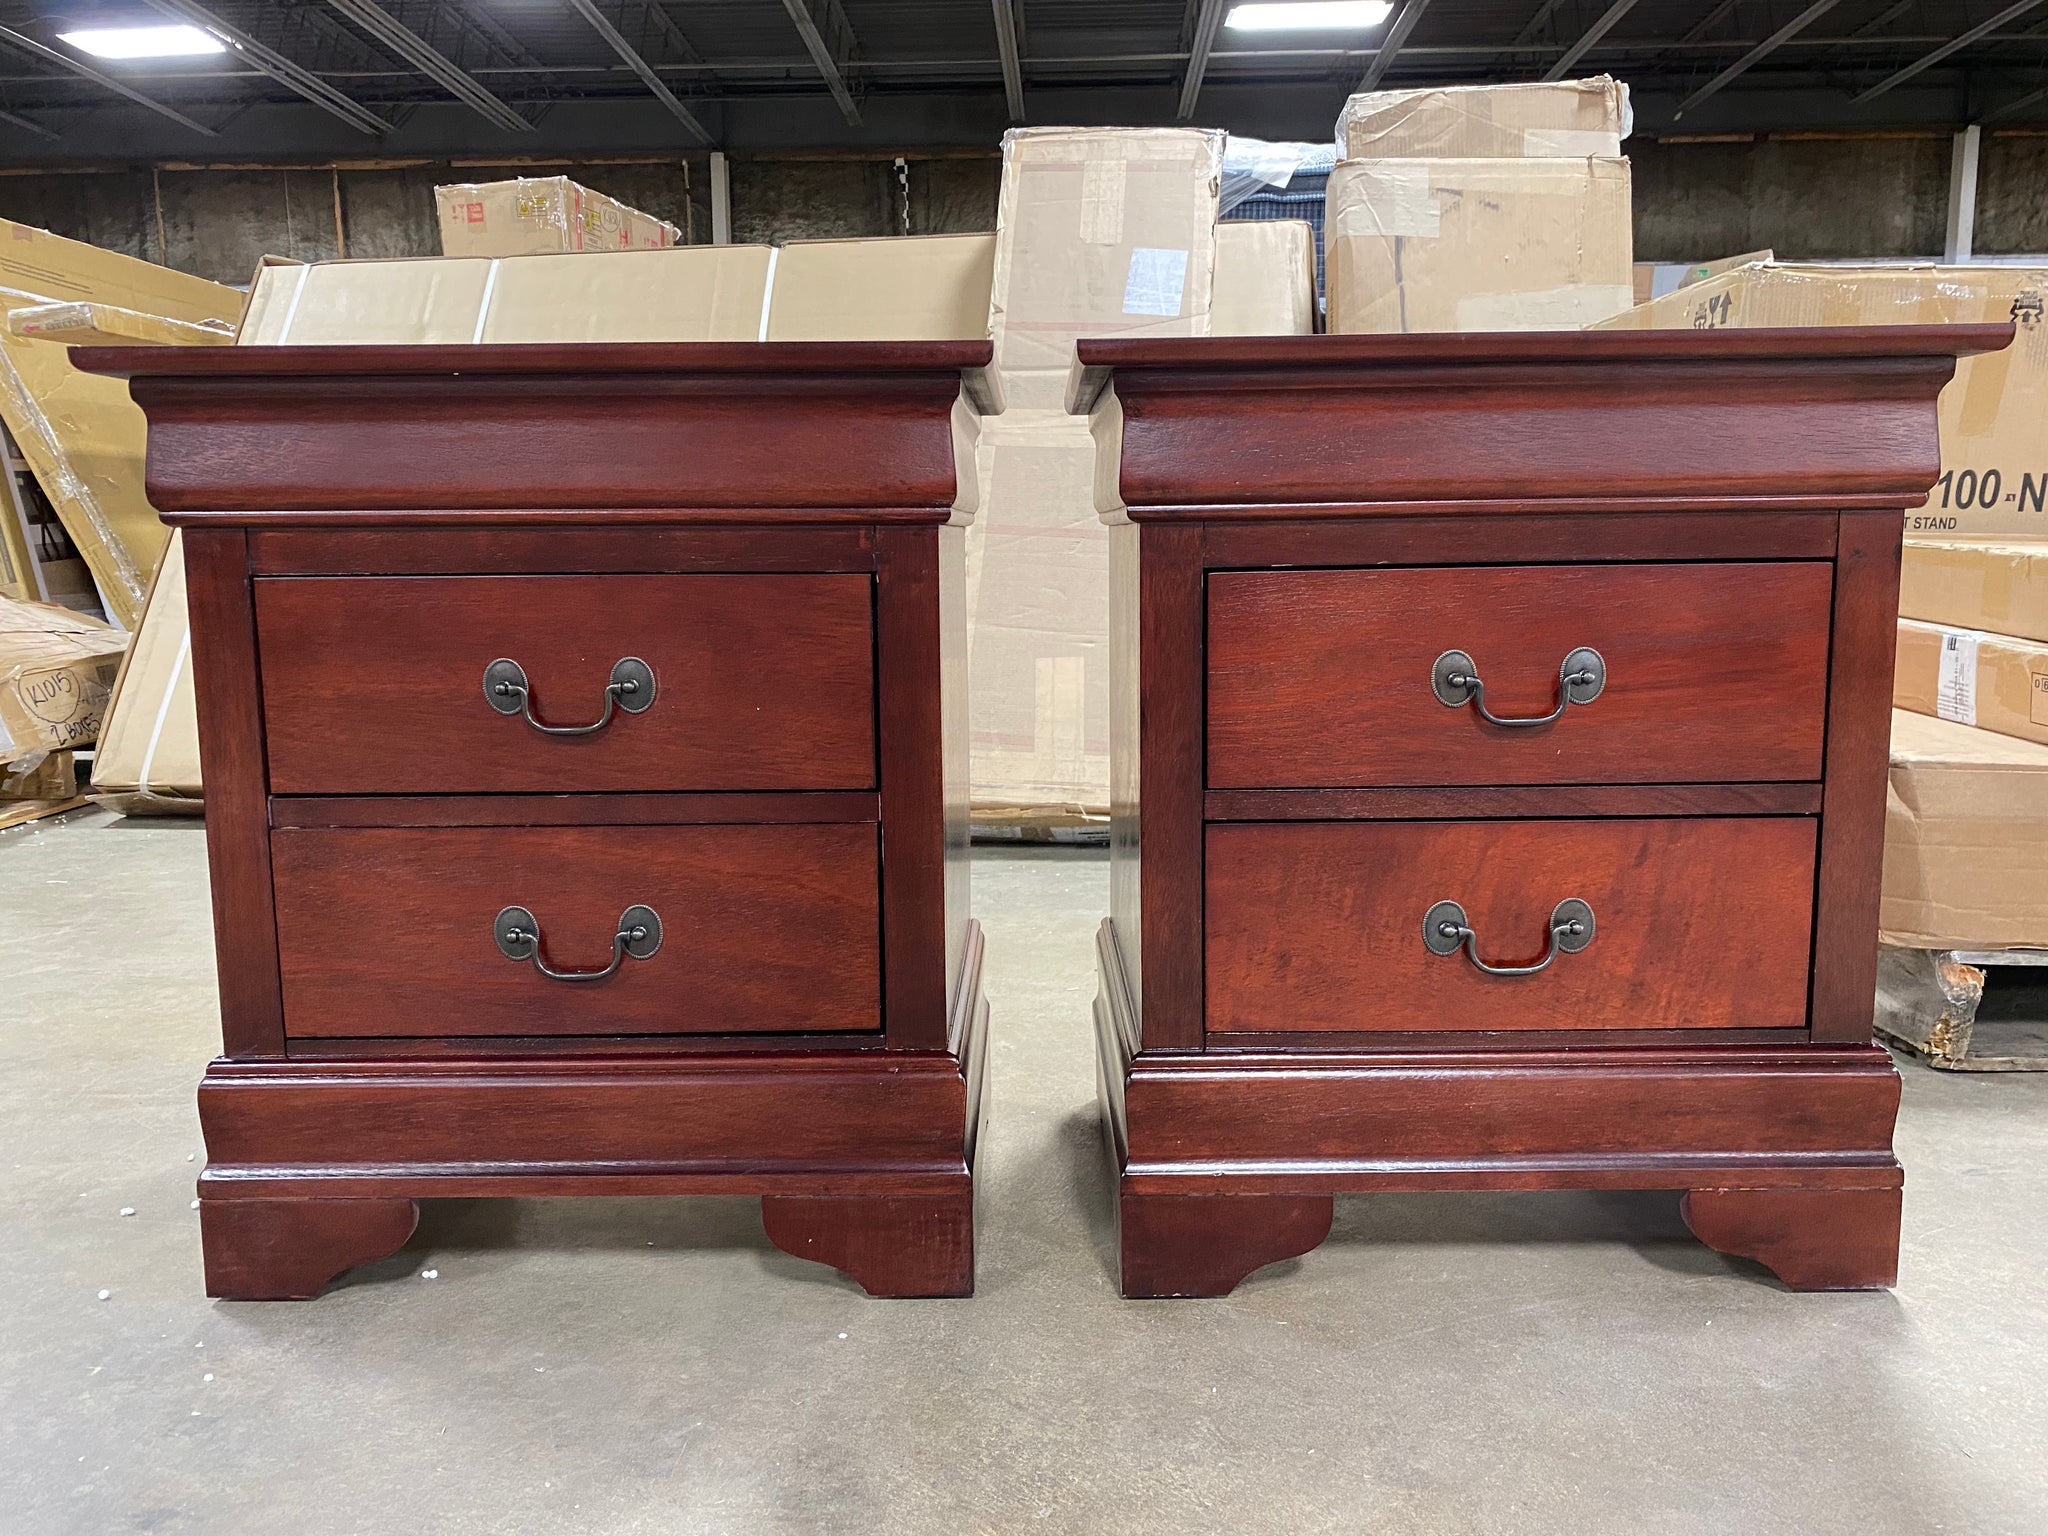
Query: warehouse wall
[{"x": 1805, "y": 198}]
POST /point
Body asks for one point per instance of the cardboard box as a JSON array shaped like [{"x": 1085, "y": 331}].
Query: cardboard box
[
  {"x": 1551, "y": 119},
  {"x": 1038, "y": 625},
  {"x": 2001, "y": 587},
  {"x": 1973, "y": 677},
  {"x": 1654, "y": 279},
  {"x": 1994, "y": 413},
  {"x": 542, "y": 215},
  {"x": 80, "y": 433},
  {"x": 147, "y": 761},
  {"x": 902, "y": 288},
  {"x": 80, "y": 324},
  {"x": 1099, "y": 232},
  {"x": 689, "y": 293},
  {"x": 49, "y": 776},
  {"x": 1476, "y": 245},
  {"x": 1966, "y": 839},
  {"x": 1265, "y": 279},
  {"x": 56, "y": 670}
]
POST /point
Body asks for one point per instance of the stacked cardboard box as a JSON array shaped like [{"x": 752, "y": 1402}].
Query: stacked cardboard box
[
  {"x": 1480, "y": 208},
  {"x": 542, "y": 215},
  {"x": 1968, "y": 833}
]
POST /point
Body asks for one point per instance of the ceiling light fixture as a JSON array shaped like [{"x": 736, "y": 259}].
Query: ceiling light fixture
[
  {"x": 170, "y": 42},
  {"x": 1308, "y": 16}
]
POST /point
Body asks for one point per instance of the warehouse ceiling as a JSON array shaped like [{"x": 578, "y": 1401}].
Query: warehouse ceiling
[{"x": 312, "y": 80}]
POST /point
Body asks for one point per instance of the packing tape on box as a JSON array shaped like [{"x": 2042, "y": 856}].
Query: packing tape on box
[
  {"x": 291, "y": 310},
  {"x": 483, "y": 305},
  {"x": 768, "y": 291}
]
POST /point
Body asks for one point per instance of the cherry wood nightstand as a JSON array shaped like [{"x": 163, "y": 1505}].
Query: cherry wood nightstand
[
  {"x": 584, "y": 740},
  {"x": 1498, "y": 778}
]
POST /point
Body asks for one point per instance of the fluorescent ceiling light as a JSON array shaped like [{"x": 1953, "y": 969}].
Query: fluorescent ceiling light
[
  {"x": 174, "y": 42},
  {"x": 1308, "y": 16}
]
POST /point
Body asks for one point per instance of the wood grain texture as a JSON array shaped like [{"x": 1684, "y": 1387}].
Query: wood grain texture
[
  {"x": 1504, "y": 538},
  {"x": 920, "y": 955},
  {"x": 387, "y": 932},
  {"x": 1205, "y": 1245},
  {"x": 1682, "y": 417},
  {"x": 287, "y": 1250},
  {"x": 1566, "y": 800},
  {"x": 669, "y": 810},
  {"x": 1322, "y": 678},
  {"x": 1858, "y": 759},
  {"x": 1169, "y": 662},
  {"x": 592, "y": 549},
  {"x": 762, "y": 682},
  {"x": 1813, "y": 1240},
  {"x": 1701, "y": 924},
  {"x": 826, "y": 432},
  {"x": 231, "y": 757},
  {"x": 892, "y": 1245}
]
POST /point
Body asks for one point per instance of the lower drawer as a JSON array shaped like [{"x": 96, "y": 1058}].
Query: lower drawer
[
  {"x": 1702, "y": 923},
  {"x": 393, "y": 931}
]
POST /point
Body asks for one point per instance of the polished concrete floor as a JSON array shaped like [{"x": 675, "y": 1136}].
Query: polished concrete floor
[{"x": 1514, "y": 1364}]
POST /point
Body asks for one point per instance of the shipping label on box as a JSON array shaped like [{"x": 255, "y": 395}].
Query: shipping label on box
[
  {"x": 1972, "y": 677},
  {"x": 1994, "y": 413}
]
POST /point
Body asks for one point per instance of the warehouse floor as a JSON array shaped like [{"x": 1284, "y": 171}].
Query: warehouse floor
[{"x": 1516, "y": 1364}]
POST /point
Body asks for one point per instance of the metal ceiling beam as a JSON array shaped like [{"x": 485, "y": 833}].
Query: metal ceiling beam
[
  {"x": 1784, "y": 34},
  {"x": 2019, "y": 105},
  {"x": 1204, "y": 17},
  {"x": 631, "y": 55},
  {"x": 277, "y": 66},
  {"x": 1535, "y": 23},
  {"x": 1590, "y": 37},
  {"x": 1390, "y": 45},
  {"x": 35, "y": 49},
  {"x": 812, "y": 18},
  {"x": 1012, "y": 56},
  {"x": 430, "y": 61},
  {"x": 26, "y": 126},
  {"x": 1929, "y": 60}
]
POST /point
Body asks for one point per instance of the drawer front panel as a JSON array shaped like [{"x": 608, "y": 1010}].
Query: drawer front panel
[
  {"x": 1713, "y": 673},
  {"x": 376, "y": 685},
  {"x": 389, "y": 931},
  {"x": 1701, "y": 923}
]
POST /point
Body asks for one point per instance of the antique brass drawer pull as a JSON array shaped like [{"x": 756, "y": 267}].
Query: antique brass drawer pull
[
  {"x": 1455, "y": 679},
  {"x": 631, "y": 688},
  {"x": 1445, "y": 931},
  {"x": 518, "y": 936}
]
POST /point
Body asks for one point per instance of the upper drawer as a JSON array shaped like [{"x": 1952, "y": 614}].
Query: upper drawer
[
  {"x": 1712, "y": 673},
  {"x": 376, "y": 684}
]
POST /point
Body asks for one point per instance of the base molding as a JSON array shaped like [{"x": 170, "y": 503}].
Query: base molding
[
  {"x": 864, "y": 1156},
  {"x": 1783, "y": 1151}
]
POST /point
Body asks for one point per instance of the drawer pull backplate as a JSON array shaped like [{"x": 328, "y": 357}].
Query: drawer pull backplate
[
  {"x": 1445, "y": 931},
  {"x": 518, "y": 936},
  {"x": 631, "y": 688},
  {"x": 1455, "y": 680}
]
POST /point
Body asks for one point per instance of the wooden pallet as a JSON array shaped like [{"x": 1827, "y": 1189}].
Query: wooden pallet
[{"x": 1966, "y": 1010}]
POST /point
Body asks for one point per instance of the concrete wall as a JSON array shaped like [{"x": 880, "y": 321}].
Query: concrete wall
[{"x": 1804, "y": 198}]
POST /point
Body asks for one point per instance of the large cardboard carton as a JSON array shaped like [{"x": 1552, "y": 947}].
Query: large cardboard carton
[
  {"x": 688, "y": 293},
  {"x": 80, "y": 433},
  {"x": 1966, "y": 838},
  {"x": 1994, "y": 413},
  {"x": 542, "y": 215},
  {"x": 1476, "y": 245},
  {"x": 1099, "y": 232},
  {"x": 147, "y": 761},
  {"x": 2001, "y": 587},
  {"x": 56, "y": 670},
  {"x": 1550, "y": 119},
  {"x": 1265, "y": 279},
  {"x": 1973, "y": 677},
  {"x": 901, "y": 288},
  {"x": 1655, "y": 279},
  {"x": 1038, "y": 626}
]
